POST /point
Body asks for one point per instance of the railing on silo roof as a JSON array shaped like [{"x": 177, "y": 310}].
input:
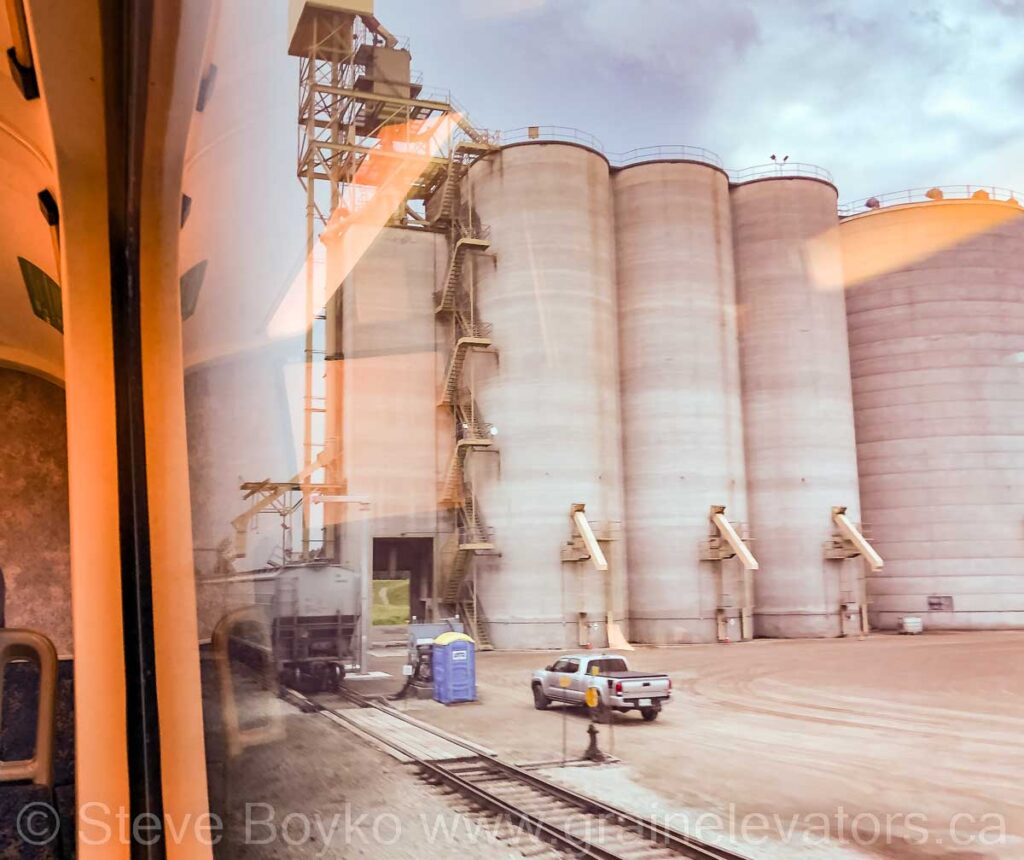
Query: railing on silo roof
[
  {"x": 781, "y": 169},
  {"x": 928, "y": 195},
  {"x": 666, "y": 152},
  {"x": 553, "y": 133},
  {"x": 568, "y": 134}
]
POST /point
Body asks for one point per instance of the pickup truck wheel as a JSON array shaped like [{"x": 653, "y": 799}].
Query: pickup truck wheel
[
  {"x": 650, "y": 714},
  {"x": 540, "y": 701},
  {"x": 601, "y": 714}
]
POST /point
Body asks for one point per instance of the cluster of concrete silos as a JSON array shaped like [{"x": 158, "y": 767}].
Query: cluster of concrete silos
[
  {"x": 669, "y": 341},
  {"x": 627, "y": 381},
  {"x": 666, "y": 339}
]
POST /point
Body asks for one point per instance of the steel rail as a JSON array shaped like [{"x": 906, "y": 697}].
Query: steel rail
[
  {"x": 662, "y": 837},
  {"x": 367, "y": 702},
  {"x": 557, "y": 836}
]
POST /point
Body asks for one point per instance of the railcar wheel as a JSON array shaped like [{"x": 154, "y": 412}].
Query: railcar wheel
[
  {"x": 319, "y": 678},
  {"x": 335, "y": 677}
]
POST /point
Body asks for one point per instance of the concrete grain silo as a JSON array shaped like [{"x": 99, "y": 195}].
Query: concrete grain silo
[
  {"x": 681, "y": 402},
  {"x": 935, "y": 300},
  {"x": 382, "y": 382},
  {"x": 798, "y": 412},
  {"x": 551, "y": 393}
]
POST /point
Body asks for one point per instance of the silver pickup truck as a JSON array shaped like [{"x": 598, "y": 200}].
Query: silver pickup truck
[{"x": 616, "y": 688}]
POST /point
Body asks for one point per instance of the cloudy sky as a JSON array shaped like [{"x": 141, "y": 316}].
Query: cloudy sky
[{"x": 887, "y": 94}]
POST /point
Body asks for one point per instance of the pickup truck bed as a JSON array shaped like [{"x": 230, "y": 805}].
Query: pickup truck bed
[{"x": 632, "y": 676}]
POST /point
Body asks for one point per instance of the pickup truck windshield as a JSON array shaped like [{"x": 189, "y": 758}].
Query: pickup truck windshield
[{"x": 608, "y": 664}]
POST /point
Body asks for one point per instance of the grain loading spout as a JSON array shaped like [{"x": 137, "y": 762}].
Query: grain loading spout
[
  {"x": 735, "y": 595},
  {"x": 586, "y": 545},
  {"x": 586, "y": 533},
  {"x": 849, "y": 532},
  {"x": 732, "y": 537}
]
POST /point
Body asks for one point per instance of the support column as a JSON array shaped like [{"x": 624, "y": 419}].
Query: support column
[
  {"x": 176, "y": 67},
  {"x": 74, "y": 98}
]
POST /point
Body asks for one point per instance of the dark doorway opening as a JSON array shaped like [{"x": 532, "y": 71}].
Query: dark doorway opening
[{"x": 403, "y": 576}]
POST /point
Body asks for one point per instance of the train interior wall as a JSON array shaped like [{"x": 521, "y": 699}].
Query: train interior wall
[
  {"x": 35, "y": 577},
  {"x": 34, "y": 530}
]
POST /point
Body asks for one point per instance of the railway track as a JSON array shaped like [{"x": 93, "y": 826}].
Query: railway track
[{"x": 572, "y": 823}]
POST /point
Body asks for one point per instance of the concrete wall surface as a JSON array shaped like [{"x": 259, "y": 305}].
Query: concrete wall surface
[
  {"x": 681, "y": 404},
  {"x": 388, "y": 377},
  {"x": 797, "y": 402},
  {"x": 552, "y": 393},
  {"x": 34, "y": 535},
  {"x": 935, "y": 299}
]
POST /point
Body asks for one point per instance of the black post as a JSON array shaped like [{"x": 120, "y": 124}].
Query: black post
[
  {"x": 593, "y": 752},
  {"x": 127, "y": 29}
]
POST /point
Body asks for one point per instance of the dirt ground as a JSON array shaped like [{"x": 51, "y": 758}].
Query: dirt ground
[
  {"x": 310, "y": 789},
  {"x": 894, "y": 747}
]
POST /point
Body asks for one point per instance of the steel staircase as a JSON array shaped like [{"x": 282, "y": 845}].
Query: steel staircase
[
  {"x": 473, "y": 537},
  {"x": 468, "y": 612},
  {"x": 468, "y": 336},
  {"x": 446, "y": 181},
  {"x": 450, "y": 192},
  {"x": 471, "y": 434},
  {"x": 453, "y": 303},
  {"x": 467, "y": 416},
  {"x": 452, "y": 491},
  {"x": 473, "y": 534},
  {"x": 445, "y": 297}
]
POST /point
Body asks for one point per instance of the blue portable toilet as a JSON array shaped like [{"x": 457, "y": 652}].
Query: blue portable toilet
[{"x": 454, "y": 667}]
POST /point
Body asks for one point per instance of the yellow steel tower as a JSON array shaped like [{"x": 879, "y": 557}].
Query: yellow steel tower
[{"x": 377, "y": 150}]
